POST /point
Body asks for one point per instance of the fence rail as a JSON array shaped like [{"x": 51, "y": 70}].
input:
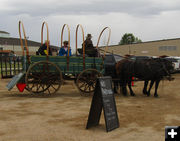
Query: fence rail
[{"x": 10, "y": 66}]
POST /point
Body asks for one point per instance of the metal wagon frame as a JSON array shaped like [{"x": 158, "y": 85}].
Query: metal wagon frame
[{"x": 45, "y": 74}]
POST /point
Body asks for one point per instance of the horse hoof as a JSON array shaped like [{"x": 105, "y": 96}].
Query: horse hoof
[
  {"x": 133, "y": 94},
  {"x": 124, "y": 94}
]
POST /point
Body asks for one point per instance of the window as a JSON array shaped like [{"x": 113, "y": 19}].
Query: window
[{"x": 167, "y": 48}]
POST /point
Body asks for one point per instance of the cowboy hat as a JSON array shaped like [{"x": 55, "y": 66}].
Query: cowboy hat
[
  {"x": 65, "y": 42},
  {"x": 88, "y": 36}
]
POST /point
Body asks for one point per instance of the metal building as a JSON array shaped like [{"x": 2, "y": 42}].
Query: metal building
[
  {"x": 169, "y": 47},
  {"x": 13, "y": 44}
]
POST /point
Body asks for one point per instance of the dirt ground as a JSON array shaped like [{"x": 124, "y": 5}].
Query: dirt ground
[{"x": 63, "y": 116}]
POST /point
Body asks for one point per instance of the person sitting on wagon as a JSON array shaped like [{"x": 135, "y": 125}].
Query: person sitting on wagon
[
  {"x": 90, "y": 50},
  {"x": 43, "y": 49},
  {"x": 64, "y": 49}
]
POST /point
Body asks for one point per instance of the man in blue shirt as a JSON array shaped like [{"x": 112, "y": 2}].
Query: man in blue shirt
[{"x": 64, "y": 49}]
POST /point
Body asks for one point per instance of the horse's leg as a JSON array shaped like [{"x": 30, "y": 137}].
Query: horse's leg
[
  {"x": 123, "y": 86},
  {"x": 145, "y": 87},
  {"x": 156, "y": 87},
  {"x": 124, "y": 89},
  {"x": 130, "y": 88},
  {"x": 151, "y": 84}
]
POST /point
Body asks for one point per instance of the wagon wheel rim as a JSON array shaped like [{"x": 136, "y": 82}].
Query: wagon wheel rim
[
  {"x": 86, "y": 81},
  {"x": 43, "y": 77}
]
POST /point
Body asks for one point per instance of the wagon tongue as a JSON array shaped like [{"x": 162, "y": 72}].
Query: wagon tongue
[{"x": 21, "y": 86}]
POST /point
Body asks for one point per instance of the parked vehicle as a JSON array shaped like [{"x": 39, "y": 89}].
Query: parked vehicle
[
  {"x": 140, "y": 57},
  {"x": 176, "y": 62}
]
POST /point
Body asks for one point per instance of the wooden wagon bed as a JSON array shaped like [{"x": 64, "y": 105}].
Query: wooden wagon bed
[{"x": 75, "y": 65}]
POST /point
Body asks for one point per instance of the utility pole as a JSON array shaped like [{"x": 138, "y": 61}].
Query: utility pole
[{"x": 129, "y": 43}]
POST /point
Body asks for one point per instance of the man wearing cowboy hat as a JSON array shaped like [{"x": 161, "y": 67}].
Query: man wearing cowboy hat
[
  {"x": 88, "y": 42},
  {"x": 89, "y": 48}
]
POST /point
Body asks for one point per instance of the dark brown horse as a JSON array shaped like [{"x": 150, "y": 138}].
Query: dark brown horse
[{"x": 152, "y": 70}]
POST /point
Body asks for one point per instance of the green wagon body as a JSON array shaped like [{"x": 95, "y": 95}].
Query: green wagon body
[{"x": 75, "y": 63}]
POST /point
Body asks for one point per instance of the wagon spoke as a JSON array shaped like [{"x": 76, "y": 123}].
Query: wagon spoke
[
  {"x": 82, "y": 85},
  {"x": 53, "y": 87},
  {"x": 85, "y": 88},
  {"x": 94, "y": 85},
  {"x": 42, "y": 86},
  {"x": 47, "y": 85},
  {"x": 31, "y": 87},
  {"x": 92, "y": 88},
  {"x": 89, "y": 88},
  {"x": 38, "y": 86}
]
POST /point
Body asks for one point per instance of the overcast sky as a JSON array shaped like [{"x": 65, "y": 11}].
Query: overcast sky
[{"x": 147, "y": 19}]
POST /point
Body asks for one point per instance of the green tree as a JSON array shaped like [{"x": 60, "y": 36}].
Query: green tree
[
  {"x": 129, "y": 38},
  {"x": 137, "y": 40}
]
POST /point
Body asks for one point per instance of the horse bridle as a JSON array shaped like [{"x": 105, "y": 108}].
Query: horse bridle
[
  {"x": 163, "y": 68},
  {"x": 167, "y": 72}
]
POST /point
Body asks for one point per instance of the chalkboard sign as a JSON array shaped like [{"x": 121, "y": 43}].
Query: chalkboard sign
[{"x": 103, "y": 99}]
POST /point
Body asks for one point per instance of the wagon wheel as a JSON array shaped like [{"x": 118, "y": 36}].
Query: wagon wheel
[
  {"x": 43, "y": 77},
  {"x": 86, "y": 81}
]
